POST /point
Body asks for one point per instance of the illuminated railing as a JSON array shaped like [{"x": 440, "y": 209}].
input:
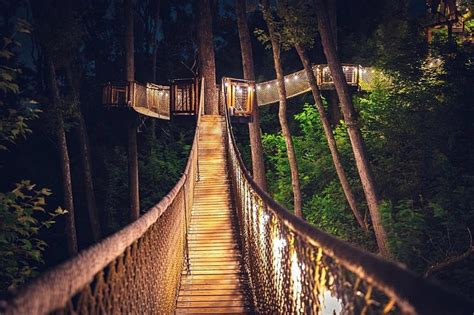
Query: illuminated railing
[
  {"x": 149, "y": 99},
  {"x": 294, "y": 268},
  {"x": 239, "y": 96},
  {"x": 297, "y": 83},
  {"x": 134, "y": 271}
]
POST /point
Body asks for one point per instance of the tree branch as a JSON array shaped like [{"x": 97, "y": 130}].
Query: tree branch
[{"x": 449, "y": 261}]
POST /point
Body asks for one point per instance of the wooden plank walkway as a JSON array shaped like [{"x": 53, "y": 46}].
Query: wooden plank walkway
[{"x": 215, "y": 282}]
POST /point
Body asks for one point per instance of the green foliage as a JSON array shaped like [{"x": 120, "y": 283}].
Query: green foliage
[
  {"x": 161, "y": 168},
  {"x": 324, "y": 204},
  {"x": 294, "y": 24},
  {"x": 13, "y": 120},
  {"x": 416, "y": 123},
  {"x": 22, "y": 217}
]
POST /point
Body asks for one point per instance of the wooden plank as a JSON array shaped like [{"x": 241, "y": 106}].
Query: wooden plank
[
  {"x": 213, "y": 286},
  {"x": 218, "y": 275},
  {"x": 203, "y": 298},
  {"x": 202, "y": 272},
  {"x": 202, "y": 310},
  {"x": 214, "y": 303},
  {"x": 209, "y": 282}
]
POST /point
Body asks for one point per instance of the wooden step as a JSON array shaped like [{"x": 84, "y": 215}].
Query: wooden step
[{"x": 215, "y": 281}]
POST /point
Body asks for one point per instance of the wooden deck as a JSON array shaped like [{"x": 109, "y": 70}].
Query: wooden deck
[{"x": 215, "y": 282}]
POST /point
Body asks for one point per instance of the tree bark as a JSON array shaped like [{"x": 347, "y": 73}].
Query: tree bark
[
  {"x": 335, "y": 115},
  {"x": 332, "y": 14},
  {"x": 133, "y": 169},
  {"x": 154, "y": 45},
  {"x": 132, "y": 128},
  {"x": 258, "y": 165},
  {"x": 206, "y": 57},
  {"x": 66, "y": 182},
  {"x": 350, "y": 118},
  {"x": 86, "y": 164},
  {"x": 336, "y": 158},
  {"x": 295, "y": 182},
  {"x": 129, "y": 41}
]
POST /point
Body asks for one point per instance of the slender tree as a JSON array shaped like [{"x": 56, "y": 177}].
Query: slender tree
[
  {"x": 276, "y": 50},
  {"x": 350, "y": 118},
  {"x": 132, "y": 125},
  {"x": 46, "y": 33},
  {"x": 70, "y": 226},
  {"x": 258, "y": 165},
  {"x": 206, "y": 57},
  {"x": 336, "y": 157},
  {"x": 297, "y": 30},
  {"x": 153, "y": 42},
  {"x": 72, "y": 72},
  {"x": 85, "y": 157}
]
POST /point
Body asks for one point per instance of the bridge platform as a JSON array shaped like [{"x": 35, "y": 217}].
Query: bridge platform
[{"x": 213, "y": 281}]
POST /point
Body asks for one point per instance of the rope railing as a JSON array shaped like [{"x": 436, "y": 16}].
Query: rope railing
[
  {"x": 296, "y": 83},
  {"x": 134, "y": 271},
  {"x": 148, "y": 99},
  {"x": 295, "y": 268}
]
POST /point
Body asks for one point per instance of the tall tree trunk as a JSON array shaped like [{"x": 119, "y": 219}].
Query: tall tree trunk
[
  {"x": 206, "y": 57},
  {"x": 258, "y": 165},
  {"x": 133, "y": 169},
  {"x": 152, "y": 39},
  {"x": 132, "y": 128},
  {"x": 70, "y": 226},
  {"x": 336, "y": 158},
  {"x": 350, "y": 118},
  {"x": 335, "y": 115},
  {"x": 295, "y": 182},
  {"x": 332, "y": 14},
  {"x": 85, "y": 157}
]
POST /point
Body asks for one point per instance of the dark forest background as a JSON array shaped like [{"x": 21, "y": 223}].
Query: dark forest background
[{"x": 416, "y": 116}]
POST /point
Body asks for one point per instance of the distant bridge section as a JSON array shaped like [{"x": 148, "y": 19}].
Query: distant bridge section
[
  {"x": 148, "y": 99},
  {"x": 296, "y": 83}
]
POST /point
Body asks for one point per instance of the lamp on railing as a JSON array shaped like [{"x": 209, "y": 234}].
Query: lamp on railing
[{"x": 239, "y": 98}]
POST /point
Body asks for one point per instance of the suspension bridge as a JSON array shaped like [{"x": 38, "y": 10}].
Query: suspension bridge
[{"x": 217, "y": 243}]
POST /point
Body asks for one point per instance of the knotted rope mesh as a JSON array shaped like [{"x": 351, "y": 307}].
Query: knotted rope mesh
[
  {"x": 294, "y": 268},
  {"x": 135, "y": 271},
  {"x": 151, "y": 99}
]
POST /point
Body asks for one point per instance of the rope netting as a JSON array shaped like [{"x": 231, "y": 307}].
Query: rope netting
[
  {"x": 294, "y": 268},
  {"x": 151, "y": 100},
  {"x": 134, "y": 271},
  {"x": 296, "y": 83}
]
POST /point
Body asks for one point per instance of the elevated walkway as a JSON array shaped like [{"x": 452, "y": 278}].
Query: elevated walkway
[
  {"x": 200, "y": 251},
  {"x": 213, "y": 280}
]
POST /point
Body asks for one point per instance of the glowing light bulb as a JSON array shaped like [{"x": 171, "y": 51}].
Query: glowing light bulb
[
  {"x": 226, "y": 84},
  {"x": 258, "y": 87},
  {"x": 296, "y": 77},
  {"x": 286, "y": 79},
  {"x": 268, "y": 85}
]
